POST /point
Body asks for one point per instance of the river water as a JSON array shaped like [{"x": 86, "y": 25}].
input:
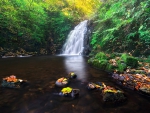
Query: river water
[{"x": 43, "y": 71}]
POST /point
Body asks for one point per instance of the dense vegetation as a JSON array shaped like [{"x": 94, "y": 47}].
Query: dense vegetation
[
  {"x": 114, "y": 62},
  {"x": 40, "y": 25},
  {"x": 122, "y": 26},
  {"x": 121, "y": 37},
  {"x": 43, "y": 25}
]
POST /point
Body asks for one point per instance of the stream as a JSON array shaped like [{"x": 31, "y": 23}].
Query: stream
[{"x": 43, "y": 71}]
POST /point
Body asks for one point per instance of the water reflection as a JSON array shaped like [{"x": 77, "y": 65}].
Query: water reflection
[
  {"x": 43, "y": 71},
  {"x": 76, "y": 64}
]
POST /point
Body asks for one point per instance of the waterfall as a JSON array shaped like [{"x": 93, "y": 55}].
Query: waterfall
[{"x": 75, "y": 41}]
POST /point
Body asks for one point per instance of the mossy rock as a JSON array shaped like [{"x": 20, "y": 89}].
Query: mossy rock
[
  {"x": 114, "y": 55},
  {"x": 110, "y": 67},
  {"x": 95, "y": 63},
  {"x": 102, "y": 64},
  {"x": 101, "y": 56},
  {"x": 90, "y": 61},
  {"x": 121, "y": 66},
  {"x": 131, "y": 61}
]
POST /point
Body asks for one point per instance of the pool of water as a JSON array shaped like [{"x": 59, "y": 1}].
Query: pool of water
[{"x": 43, "y": 71}]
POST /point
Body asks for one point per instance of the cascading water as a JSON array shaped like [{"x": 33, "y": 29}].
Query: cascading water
[{"x": 75, "y": 42}]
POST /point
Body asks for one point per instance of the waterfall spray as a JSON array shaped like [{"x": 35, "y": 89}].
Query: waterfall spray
[{"x": 74, "y": 44}]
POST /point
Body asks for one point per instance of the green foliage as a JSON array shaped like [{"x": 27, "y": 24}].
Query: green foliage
[
  {"x": 101, "y": 56},
  {"x": 102, "y": 64},
  {"x": 148, "y": 59},
  {"x": 122, "y": 26},
  {"x": 122, "y": 62},
  {"x": 114, "y": 55},
  {"x": 131, "y": 61},
  {"x": 124, "y": 56},
  {"x": 21, "y": 23},
  {"x": 35, "y": 24},
  {"x": 121, "y": 66},
  {"x": 90, "y": 60},
  {"x": 59, "y": 25},
  {"x": 110, "y": 68},
  {"x": 95, "y": 63}
]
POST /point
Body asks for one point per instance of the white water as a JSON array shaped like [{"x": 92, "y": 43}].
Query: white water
[{"x": 74, "y": 43}]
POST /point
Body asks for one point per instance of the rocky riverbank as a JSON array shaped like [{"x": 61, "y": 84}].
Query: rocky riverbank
[
  {"x": 126, "y": 70},
  {"x": 8, "y": 52}
]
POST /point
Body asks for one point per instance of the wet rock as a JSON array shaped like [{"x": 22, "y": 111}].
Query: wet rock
[{"x": 86, "y": 43}]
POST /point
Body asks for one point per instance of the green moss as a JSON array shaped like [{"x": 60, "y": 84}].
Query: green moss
[
  {"x": 114, "y": 55},
  {"x": 131, "y": 61},
  {"x": 102, "y": 64},
  {"x": 100, "y": 61},
  {"x": 95, "y": 63},
  {"x": 90, "y": 61},
  {"x": 101, "y": 56},
  {"x": 110, "y": 67},
  {"x": 147, "y": 59},
  {"x": 122, "y": 67},
  {"x": 124, "y": 57}
]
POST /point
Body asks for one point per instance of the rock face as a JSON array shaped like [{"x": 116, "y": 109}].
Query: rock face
[{"x": 87, "y": 36}]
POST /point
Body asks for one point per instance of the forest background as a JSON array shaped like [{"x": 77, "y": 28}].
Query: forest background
[{"x": 42, "y": 26}]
